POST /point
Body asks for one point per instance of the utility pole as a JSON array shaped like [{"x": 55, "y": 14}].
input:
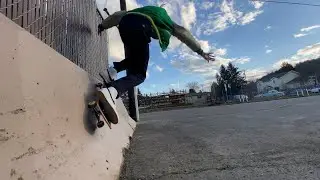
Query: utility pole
[
  {"x": 226, "y": 90},
  {"x": 245, "y": 78},
  {"x": 132, "y": 93}
]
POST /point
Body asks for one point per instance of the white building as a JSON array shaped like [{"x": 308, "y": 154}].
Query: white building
[
  {"x": 197, "y": 98},
  {"x": 277, "y": 81}
]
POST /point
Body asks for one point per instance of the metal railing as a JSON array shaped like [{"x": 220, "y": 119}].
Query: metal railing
[{"x": 68, "y": 26}]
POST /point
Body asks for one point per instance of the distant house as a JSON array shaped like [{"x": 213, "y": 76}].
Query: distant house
[
  {"x": 279, "y": 81},
  {"x": 198, "y": 98}
]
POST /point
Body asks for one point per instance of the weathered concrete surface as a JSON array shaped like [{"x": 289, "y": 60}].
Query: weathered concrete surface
[
  {"x": 45, "y": 132},
  {"x": 267, "y": 140}
]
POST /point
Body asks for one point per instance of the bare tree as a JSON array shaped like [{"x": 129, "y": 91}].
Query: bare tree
[{"x": 193, "y": 86}]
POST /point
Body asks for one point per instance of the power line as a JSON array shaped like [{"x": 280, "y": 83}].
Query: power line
[{"x": 286, "y": 2}]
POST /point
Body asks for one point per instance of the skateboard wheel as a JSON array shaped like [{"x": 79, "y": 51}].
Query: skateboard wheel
[
  {"x": 100, "y": 124},
  {"x": 99, "y": 85},
  {"x": 92, "y": 104}
]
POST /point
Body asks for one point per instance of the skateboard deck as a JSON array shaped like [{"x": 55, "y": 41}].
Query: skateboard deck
[{"x": 98, "y": 112}]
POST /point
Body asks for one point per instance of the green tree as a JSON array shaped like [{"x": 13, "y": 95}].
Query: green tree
[
  {"x": 286, "y": 67},
  {"x": 230, "y": 81},
  {"x": 250, "y": 89},
  {"x": 236, "y": 81}
]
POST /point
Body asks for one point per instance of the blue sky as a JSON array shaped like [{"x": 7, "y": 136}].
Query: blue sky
[{"x": 255, "y": 36}]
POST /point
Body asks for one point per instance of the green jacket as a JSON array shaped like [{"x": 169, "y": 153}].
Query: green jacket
[{"x": 162, "y": 24}]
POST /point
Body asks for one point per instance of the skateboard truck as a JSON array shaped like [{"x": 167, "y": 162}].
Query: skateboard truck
[
  {"x": 99, "y": 114},
  {"x": 94, "y": 105},
  {"x": 99, "y": 85}
]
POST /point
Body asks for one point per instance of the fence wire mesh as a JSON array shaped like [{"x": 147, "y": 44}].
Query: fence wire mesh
[{"x": 68, "y": 26}]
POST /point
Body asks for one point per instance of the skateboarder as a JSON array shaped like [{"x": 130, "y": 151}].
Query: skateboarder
[{"x": 136, "y": 28}]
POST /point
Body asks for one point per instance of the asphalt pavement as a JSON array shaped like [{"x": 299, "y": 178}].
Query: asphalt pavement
[{"x": 265, "y": 140}]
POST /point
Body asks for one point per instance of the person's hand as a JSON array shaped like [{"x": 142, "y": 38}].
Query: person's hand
[
  {"x": 208, "y": 56},
  {"x": 100, "y": 29}
]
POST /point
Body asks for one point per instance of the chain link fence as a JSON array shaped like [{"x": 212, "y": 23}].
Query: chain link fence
[{"x": 68, "y": 26}]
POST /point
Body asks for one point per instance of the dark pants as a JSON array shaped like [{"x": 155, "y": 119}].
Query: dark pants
[{"x": 135, "y": 32}]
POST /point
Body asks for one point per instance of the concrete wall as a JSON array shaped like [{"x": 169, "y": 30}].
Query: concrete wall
[{"x": 45, "y": 130}]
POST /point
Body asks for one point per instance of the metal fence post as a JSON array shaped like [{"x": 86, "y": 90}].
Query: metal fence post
[{"x": 132, "y": 93}]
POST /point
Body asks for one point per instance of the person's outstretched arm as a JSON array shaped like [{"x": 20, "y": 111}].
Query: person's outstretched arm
[
  {"x": 187, "y": 38},
  {"x": 111, "y": 21}
]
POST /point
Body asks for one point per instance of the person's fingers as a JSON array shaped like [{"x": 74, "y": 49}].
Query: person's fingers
[
  {"x": 211, "y": 59},
  {"x": 208, "y": 57}
]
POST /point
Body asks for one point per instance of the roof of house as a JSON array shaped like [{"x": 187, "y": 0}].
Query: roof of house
[
  {"x": 268, "y": 77},
  {"x": 295, "y": 80}
]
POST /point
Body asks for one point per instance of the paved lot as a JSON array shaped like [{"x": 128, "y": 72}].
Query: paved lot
[{"x": 266, "y": 140}]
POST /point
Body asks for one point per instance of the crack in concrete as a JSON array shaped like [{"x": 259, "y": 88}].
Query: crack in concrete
[
  {"x": 31, "y": 151},
  {"x": 16, "y": 111}
]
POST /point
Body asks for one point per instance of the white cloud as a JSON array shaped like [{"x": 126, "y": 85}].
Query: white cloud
[
  {"x": 150, "y": 63},
  {"x": 182, "y": 12},
  {"x": 220, "y": 52},
  {"x": 151, "y": 2},
  {"x": 304, "y": 54},
  {"x": 204, "y": 45},
  {"x": 158, "y": 68},
  {"x": 175, "y": 85},
  {"x": 190, "y": 63},
  {"x": 268, "y": 28},
  {"x": 188, "y": 15},
  {"x": 173, "y": 8},
  {"x": 299, "y": 35},
  {"x": 147, "y": 75},
  {"x": 257, "y": 4},
  {"x": 257, "y": 73},
  {"x": 266, "y": 46},
  {"x": 206, "y": 86},
  {"x": 307, "y": 29},
  {"x": 116, "y": 48},
  {"x": 174, "y": 43},
  {"x": 226, "y": 17},
  {"x": 249, "y": 17},
  {"x": 242, "y": 60},
  {"x": 207, "y": 5},
  {"x": 164, "y": 55},
  {"x": 268, "y": 51}
]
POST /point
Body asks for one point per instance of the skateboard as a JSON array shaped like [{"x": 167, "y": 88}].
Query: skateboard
[{"x": 97, "y": 110}]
